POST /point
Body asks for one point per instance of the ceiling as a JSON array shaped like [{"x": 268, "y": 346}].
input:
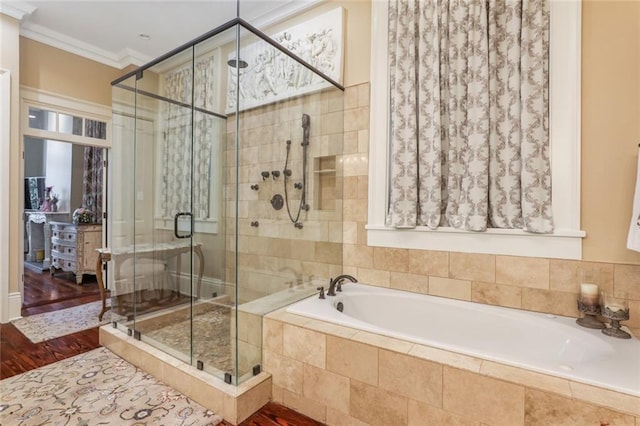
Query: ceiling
[{"x": 109, "y": 31}]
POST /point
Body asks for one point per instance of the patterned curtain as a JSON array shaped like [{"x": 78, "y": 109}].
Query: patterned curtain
[
  {"x": 182, "y": 142},
  {"x": 469, "y": 139},
  {"x": 92, "y": 185}
]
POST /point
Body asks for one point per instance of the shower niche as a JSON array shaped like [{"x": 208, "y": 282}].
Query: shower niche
[{"x": 198, "y": 252}]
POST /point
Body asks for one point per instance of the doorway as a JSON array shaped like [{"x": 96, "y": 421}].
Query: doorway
[{"x": 57, "y": 268}]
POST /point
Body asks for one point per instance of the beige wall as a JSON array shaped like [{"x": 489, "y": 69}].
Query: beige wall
[
  {"x": 610, "y": 130},
  {"x": 54, "y": 70},
  {"x": 9, "y": 59}
]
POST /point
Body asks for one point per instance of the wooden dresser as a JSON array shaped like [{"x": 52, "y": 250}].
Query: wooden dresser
[{"x": 73, "y": 248}]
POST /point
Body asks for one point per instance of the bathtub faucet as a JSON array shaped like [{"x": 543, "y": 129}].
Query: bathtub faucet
[{"x": 335, "y": 284}]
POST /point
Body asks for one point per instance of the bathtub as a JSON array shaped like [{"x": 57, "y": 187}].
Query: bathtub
[{"x": 543, "y": 343}]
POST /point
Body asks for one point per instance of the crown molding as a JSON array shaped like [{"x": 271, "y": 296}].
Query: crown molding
[
  {"x": 78, "y": 47},
  {"x": 128, "y": 56},
  {"x": 17, "y": 9}
]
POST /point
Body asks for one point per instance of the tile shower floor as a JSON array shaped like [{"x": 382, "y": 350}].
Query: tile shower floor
[{"x": 211, "y": 333}]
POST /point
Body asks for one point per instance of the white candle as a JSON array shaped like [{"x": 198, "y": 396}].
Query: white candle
[{"x": 589, "y": 294}]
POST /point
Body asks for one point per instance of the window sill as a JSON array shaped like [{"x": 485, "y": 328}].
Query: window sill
[{"x": 562, "y": 244}]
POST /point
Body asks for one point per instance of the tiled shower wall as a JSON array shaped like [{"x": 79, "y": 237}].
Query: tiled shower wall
[
  {"x": 536, "y": 284},
  {"x": 277, "y": 256}
]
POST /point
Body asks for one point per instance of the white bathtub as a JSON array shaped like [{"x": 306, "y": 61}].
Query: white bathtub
[{"x": 540, "y": 342}]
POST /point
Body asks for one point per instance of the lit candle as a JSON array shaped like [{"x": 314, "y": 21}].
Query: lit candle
[{"x": 589, "y": 294}]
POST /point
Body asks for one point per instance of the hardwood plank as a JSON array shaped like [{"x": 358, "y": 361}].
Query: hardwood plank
[{"x": 41, "y": 288}]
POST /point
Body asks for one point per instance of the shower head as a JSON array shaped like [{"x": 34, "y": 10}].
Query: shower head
[{"x": 237, "y": 63}]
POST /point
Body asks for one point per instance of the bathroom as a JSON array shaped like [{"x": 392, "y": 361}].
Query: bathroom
[{"x": 537, "y": 283}]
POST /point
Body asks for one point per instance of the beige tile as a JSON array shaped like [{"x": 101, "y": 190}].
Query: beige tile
[
  {"x": 376, "y": 406},
  {"x": 358, "y": 255},
  {"x": 352, "y": 359},
  {"x": 544, "y": 408},
  {"x": 409, "y": 282},
  {"x": 204, "y": 394},
  {"x": 412, "y": 377},
  {"x": 391, "y": 259},
  {"x": 485, "y": 399},
  {"x": 272, "y": 335},
  {"x": 338, "y": 418},
  {"x": 634, "y": 315},
  {"x": 525, "y": 377},
  {"x": 567, "y": 275},
  {"x": 356, "y": 119},
  {"x": 553, "y": 302},
  {"x": 421, "y": 414},
  {"x": 363, "y": 94},
  {"x": 363, "y": 141},
  {"x": 355, "y": 210},
  {"x": 452, "y": 359},
  {"x": 522, "y": 271},
  {"x": 496, "y": 294},
  {"x": 331, "y": 123},
  {"x": 350, "y": 232},
  {"x": 626, "y": 281},
  {"x": 285, "y": 372},
  {"x": 375, "y": 277},
  {"x": 328, "y": 252},
  {"x": 351, "y": 97},
  {"x": 309, "y": 407},
  {"x": 429, "y": 262},
  {"x": 451, "y": 288},
  {"x": 331, "y": 329},
  {"x": 471, "y": 266},
  {"x": 277, "y": 393},
  {"x": 383, "y": 342},
  {"x": 230, "y": 409},
  {"x": 252, "y": 400},
  {"x": 608, "y": 398},
  {"x": 326, "y": 387},
  {"x": 303, "y": 345}
]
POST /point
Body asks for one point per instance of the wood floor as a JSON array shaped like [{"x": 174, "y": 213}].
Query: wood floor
[{"x": 45, "y": 294}]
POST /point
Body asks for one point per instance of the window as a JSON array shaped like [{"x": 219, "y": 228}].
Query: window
[{"x": 565, "y": 241}]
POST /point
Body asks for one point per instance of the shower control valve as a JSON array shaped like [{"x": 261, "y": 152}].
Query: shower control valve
[
  {"x": 264, "y": 175},
  {"x": 287, "y": 172},
  {"x": 306, "y": 207},
  {"x": 255, "y": 224},
  {"x": 298, "y": 225},
  {"x": 255, "y": 187},
  {"x": 297, "y": 185},
  {"x": 275, "y": 174}
]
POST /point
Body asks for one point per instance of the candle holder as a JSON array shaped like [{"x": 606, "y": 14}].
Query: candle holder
[
  {"x": 589, "y": 319},
  {"x": 616, "y": 316}
]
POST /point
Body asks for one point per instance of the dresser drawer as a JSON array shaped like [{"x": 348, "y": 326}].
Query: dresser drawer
[
  {"x": 67, "y": 255},
  {"x": 64, "y": 235}
]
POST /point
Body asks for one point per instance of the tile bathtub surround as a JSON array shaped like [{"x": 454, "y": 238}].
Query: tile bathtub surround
[{"x": 370, "y": 379}]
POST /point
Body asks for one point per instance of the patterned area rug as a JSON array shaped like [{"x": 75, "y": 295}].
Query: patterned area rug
[
  {"x": 50, "y": 325},
  {"x": 96, "y": 388}
]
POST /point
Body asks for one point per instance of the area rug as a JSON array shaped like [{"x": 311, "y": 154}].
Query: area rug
[
  {"x": 51, "y": 325},
  {"x": 96, "y": 388}
]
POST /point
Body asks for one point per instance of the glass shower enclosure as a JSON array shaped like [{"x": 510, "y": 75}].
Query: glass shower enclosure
[{"x": 225, "y": 195}]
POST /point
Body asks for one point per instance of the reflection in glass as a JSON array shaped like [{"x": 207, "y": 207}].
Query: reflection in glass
[
  {"x": 42, "y": 119},
  {"x": 69, "y": 124}
]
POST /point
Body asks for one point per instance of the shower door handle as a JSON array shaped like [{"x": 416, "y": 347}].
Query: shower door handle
[{"x": 176, "y": 219}]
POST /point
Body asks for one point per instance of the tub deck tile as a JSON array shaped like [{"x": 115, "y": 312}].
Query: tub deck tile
[
  {"x": 530, "y": 378},
  {"x": 452, "y": 359},
  {"x": 383, "y": 342},
  {"x": 608, "y": 398}
]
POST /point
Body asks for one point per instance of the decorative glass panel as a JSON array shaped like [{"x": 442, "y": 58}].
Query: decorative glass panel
[
  {"x": 95, "y": 129},
  {"x": 70, "y": 124},
  {"x": 42, "y": 119}
]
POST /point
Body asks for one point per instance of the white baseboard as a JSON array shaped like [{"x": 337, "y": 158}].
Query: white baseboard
[
  {"x": 208, "y": 288},
  {"x": 15, "y": 306}
]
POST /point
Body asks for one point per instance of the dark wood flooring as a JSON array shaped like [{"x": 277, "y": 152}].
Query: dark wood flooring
[{"x": 45, "y": 294}]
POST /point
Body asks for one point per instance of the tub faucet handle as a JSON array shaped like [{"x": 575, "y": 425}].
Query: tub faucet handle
[{"x": 321, "y": 296}]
